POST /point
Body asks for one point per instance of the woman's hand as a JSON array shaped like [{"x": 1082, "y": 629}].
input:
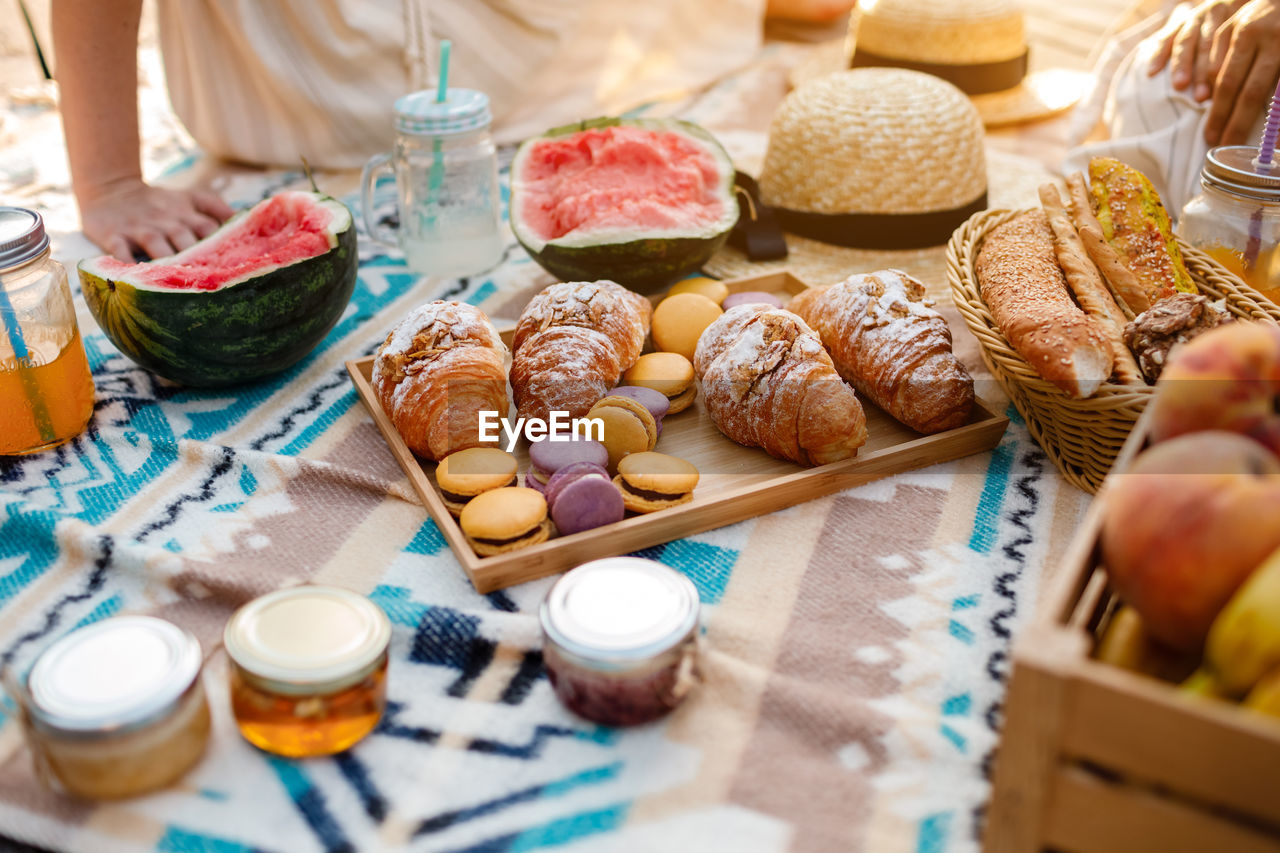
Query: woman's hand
[
  {"x": 1246, "y": 60},
  {"x": 1186, "y": 45},
  {"x": 132, "y": 216}
]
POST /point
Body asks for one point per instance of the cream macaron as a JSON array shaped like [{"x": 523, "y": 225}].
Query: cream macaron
[
  {"x": 669, "y": 373},
  {"x": 467, "y": 473}
]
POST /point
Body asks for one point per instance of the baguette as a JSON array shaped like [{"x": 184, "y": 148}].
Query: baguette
[
  {"x": 1123, "y": 282},
  {"x": 1086, "y": 283},
  {"x": 1021, "y": 282}
]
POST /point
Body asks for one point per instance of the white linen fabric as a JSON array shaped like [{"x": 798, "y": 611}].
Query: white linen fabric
[{"x": 267, "y": 82}]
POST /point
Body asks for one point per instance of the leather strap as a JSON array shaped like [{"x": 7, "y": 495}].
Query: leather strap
[
  {"x": 756, "y": 233},
  {"x": 976, "y": 79},
  {"x": 880, "y": 230}
]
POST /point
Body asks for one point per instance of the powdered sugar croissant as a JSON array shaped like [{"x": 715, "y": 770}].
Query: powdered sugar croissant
[
  {"x": 571, "y": 344},
  {"x": 890, "y": 345},
  {"x": 767, "y": 382},
  {"x": 436, "y": 371}
]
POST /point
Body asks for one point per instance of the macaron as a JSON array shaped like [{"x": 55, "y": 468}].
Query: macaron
[
  {"x": 653, "y": 481},
  {"x": 582, "y": 496},
  {"x": 667, "y": 372},
  {"x": 467, "y": 473},
  {"x": 505, "y": 519},
  {"x": 657, "y": 404},
  {"x": 711, "y": 288},
  {"x": 553, "y": 453},
  {"x": 629, "y": 427},
  {"x": 750, "y": 297},
  {"x": 679, "y": 321}
]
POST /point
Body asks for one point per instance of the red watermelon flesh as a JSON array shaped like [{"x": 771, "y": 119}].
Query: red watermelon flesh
[
  {"x": 620, "y": 178},
  {"x": 289, "y": 227}
]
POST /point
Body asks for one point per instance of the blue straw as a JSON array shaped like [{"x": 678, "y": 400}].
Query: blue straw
[
  {"x": 39, "y": 412},
  {"x": 437, "y": 163}
]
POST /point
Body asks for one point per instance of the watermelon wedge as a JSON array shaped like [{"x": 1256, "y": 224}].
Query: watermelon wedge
[
  {"x": 642, "y": 202},
  {"x": 249, "y": 300}
]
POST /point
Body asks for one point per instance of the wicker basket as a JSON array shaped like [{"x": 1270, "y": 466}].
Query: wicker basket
[{"x": 1082, "y": 437}]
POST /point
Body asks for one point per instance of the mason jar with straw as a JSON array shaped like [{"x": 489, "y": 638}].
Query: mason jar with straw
[{"x": 46, "y": 391}]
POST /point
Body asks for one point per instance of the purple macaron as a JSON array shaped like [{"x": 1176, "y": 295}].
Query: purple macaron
[
  {"x": 655, "y": 401},
  {"x": 581, "y": 496},
  {"x": 547, "y": 457},
  {"x": 751, "y": 297}
]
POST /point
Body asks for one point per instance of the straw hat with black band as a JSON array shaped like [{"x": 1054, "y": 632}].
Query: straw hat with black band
[{"x": 980, "y": 46}]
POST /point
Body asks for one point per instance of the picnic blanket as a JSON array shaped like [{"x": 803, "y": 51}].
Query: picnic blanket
[{"x": 856, "y": 646}]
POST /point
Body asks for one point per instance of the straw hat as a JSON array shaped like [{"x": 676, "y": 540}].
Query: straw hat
[
  {"x": 876, "y": 167},
  {"x": 979, "y": 45}
]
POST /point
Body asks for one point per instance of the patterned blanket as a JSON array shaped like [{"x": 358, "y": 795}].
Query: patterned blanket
[{"x": 857, "y": 645}]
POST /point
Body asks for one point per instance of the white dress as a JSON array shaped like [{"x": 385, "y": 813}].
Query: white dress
[{"x": 268, "y": 81}]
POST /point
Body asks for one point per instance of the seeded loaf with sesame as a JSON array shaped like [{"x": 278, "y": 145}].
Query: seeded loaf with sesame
[{"x": 1023, "y": 286}]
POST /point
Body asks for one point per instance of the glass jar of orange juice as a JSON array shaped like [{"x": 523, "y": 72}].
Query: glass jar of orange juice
[
  {"x": 1236, "y": 217},
  {"x": 46, "y": 392}
]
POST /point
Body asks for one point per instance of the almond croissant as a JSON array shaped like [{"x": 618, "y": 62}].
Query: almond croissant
[
  {"x": 890, "y": 345},
  {"x": 767, "y": 382},
  {"x": 436, "y": 371},
  {"x": 571, "y": 344}
]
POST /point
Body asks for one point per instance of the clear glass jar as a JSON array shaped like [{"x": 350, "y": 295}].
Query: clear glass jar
[
  {"x": 1236, "y": 217},
  {"x": 46, "y": 391},
  {"x": 446, "y": 175}
]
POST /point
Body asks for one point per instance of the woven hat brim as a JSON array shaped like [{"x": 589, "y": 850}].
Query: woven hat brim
[
  {"x": 1013, "y": 182},
  {"x": 1041, "y": 95}
]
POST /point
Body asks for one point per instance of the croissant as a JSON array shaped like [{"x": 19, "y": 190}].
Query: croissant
[
  {"x": 889, "y": 344},
  {"x": 436, "y": 371},
  {"x": 767, "y": 382},
  {"x": 571, "y": 344}
]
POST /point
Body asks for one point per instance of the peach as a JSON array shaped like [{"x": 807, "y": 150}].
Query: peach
[
  {"x": 1185, "y": 525},
  {"x": 1228, "y": 378}
]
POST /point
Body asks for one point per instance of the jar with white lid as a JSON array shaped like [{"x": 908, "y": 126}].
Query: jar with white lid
[
  {"x": 1236, "y": 217},
  {"x": 308, "y": 669},
  {"x": 620, "y": 639},
  {"x": 117, "y": 708}
]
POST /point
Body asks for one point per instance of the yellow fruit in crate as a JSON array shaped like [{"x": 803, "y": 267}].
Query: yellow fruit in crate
[
  {"x": 1265, "y": 695},
  {"x": 1244, "y": 642},
  {"x": 1127, "y": 644}
]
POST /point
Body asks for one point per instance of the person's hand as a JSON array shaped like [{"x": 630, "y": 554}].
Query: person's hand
[
  {"x": 1246, "y": 59},
  {"x": 1186, "y": 42},
  {"x": 133, "y": 216}
]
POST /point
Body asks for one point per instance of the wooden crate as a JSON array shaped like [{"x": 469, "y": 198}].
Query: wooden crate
[{"x": 1100, "y": 759}]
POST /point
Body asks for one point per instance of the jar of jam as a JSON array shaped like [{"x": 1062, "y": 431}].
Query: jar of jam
[
  {"x": 117, "y": 708},
  {"x": 308, "y": 669},
  {"x": 1236, "y": 217},
  {"x": 620, "y": 639}
]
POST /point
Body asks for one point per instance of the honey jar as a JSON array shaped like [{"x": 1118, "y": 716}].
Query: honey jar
[
  {"x": 117, "y": 708},
  {"x": 308, "y": 669},
  {"x": 620, "y": 639}
]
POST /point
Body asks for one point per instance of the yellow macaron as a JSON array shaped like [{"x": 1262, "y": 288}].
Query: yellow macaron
[
  {"x": 679, "y": 321},
  {"x": 654, "y": 481},
  {"x": 467, "y": 473},
  {"x": 629, "y": 427},
  {"x": 715, "y": 290},
  {"x": 505, "y": 519},
  {"x": 668, "y": 373}
]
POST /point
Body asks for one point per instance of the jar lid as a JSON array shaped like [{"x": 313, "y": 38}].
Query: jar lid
[
  {"x": 22, "y": 236},
  {"x": 116, "y": 675},
  {"x": 308, "y": 640},
  {"x": 1231, "y": 168},
  {"x": 619, "y": 612},
  {"x": 462, "y": 110}
]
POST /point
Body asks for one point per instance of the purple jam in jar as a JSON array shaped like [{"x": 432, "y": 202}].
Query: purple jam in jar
[{"x": 620, "y": 639}]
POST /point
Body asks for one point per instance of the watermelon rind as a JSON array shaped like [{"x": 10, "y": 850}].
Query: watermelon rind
[
  {"x": 643, "y": 260},
  {"x": 250, "y": 328}
]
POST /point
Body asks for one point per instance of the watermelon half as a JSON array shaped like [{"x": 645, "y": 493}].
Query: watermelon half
[
  {"x": 249, "y": 300},
  {"x": 642, "y": 202}
]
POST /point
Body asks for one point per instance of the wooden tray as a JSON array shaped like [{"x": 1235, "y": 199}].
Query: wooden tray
[
  {"x": 736, "y": 482},
  {"x": 1099, "y": 759}
]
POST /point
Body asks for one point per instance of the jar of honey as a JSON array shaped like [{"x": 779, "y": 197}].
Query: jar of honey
[
  {"x": 308, "y": 669},
  {"x": 117, "y": 708},
  {"x": 46, "y": 391}
]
